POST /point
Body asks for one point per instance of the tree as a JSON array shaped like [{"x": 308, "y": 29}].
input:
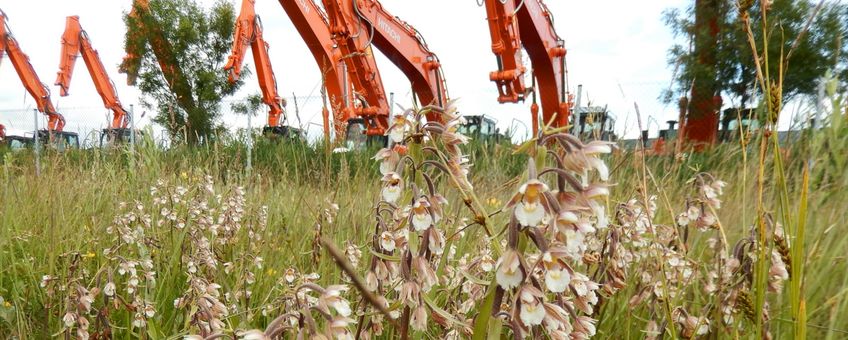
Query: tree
[
  {"x": 176, "y": 50},
  {"x": 822, "y": 48}
]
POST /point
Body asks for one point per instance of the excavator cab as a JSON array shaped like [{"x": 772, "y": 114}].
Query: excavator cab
[
  {"x": 17, "y": 142},
  {"x": 481, "y": 128},
  {"x": 284, "y": 133},
  {"x": 357, "y": 138},
  {"x": 594, "y": 123},
  {"x": 118, "y": 136},
  {"x": 59, "y": 140}
]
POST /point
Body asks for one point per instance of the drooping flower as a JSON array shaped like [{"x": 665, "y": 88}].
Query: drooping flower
[
  {"x": 530, "y": 203},
  {"x": 509, "y": 274},
  {"x": 392, "y": 187},
  {"x": 532, "y": 310},
  {"x": 331, "y": 297},
  {"x": 419, "y": 318},
  {"x": 398, "y": 129},
  {"x": 421, "y": 216},
  {"x": 388, "y": 159},
  {"x": 557, "y": 280},
  {"x": 387, "y": 241}
]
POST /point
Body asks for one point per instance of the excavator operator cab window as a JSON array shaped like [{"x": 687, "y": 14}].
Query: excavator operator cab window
[
  {"x": 18, "y": 142},
  {"x": 60, "y": 141},
  {"x": 355, "y": 134},
  {"x": 471, "y": 127}
]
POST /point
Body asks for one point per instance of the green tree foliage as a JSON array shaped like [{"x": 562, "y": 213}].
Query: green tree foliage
[
  {"x": 177, "y": 49},
  {"x": 820, "y": 49}
]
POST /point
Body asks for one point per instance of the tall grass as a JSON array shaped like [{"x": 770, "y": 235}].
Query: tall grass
[{"x": 48, "y": 219}]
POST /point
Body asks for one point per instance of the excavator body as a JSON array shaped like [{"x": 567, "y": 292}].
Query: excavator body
[
  {"x": 54, "y": 134},
  {"x": 76, "y": 42},
  {"x": 248, "y": 33}
]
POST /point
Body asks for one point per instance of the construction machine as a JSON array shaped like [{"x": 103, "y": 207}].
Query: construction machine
[
  {"x": 248, "y": 33},
  {"x": 359, "y": 111},
  {"x": 482, "y": 128},
  {"x": 75, "y": 41},
  {"x": 593, "y": 123},
  {"x": 13, "y": 142},
  {"x": 357, "y": 24},
  {"x": 514, "y": 24},
  {"x": 54, "y": 134}
]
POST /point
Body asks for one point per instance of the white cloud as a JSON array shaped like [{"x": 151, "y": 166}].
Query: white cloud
[{"x": 617, "y": 50}]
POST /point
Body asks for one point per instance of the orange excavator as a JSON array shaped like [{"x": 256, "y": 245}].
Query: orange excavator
[
  {"x": 248, "y": 33},
  {"x": 75, "y": 41},
  {"x": 514, "y": 24},
  {"x": 54, "y": 133},
  {"x": 360, "y": 114},
  {"x": 356, "y": 25}
]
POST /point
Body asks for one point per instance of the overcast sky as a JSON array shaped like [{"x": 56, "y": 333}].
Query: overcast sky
[{"x": 616, "y": 49}]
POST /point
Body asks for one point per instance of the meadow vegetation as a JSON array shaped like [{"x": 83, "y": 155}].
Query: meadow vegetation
[{"x": 187, "y": 241}]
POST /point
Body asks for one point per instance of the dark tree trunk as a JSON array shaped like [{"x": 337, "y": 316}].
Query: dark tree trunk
[{"x": 702, "y": 119}]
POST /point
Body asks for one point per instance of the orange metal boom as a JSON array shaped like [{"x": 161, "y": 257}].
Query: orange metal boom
[
  {"x": 406, "y": 48},
  {"x": 313, "y": 25},
  {"x": 352, "y": 38},
  {"x": 75, "y": 41},
  {"x": 38, "y": 90},
  {"x": 248, "y": 32},
  {"x": 529, "y": 23}
]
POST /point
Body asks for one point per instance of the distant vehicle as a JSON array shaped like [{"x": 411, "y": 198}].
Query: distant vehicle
[
  {"x": 59, "y": 140},
  {"x": 357, "y": 138},
  {"x": 482, "y": 128},
  {"x": 17, "y": 142},
  {"x": 116, "y": 136},
  {"x": 593, "y": 123},
  {"x": 284, "y": 133}
]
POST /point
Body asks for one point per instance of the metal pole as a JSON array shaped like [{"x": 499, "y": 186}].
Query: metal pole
[
  {"x": 391, "y": 105},
  {"x": 249, "y": 141},
  {"x": 37, "y": 145},
  {"x": 132, "y": 128}
]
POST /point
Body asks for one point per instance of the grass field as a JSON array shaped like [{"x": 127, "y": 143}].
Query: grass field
[{"x": 188, "y": 241}]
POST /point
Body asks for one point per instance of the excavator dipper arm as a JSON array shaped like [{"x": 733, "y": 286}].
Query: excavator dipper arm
[
  {"x": 74, "y": 42},
  {"x": 312, "y": 24},
  {"x": 248, "y": 32},
  {"x": 352, "y": 38},
  {"x": 402, "y": 44},
  {"x": 38, "y": 90},
  {"x": 529, "y": 23}
]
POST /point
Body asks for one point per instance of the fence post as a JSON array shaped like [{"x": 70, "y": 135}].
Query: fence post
[
  {"x": 37, "y": 144},
  {"x": 249, "y": 142}
]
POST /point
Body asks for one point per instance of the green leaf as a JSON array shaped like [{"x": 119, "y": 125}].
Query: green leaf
[{"x": 483, "y": 325}]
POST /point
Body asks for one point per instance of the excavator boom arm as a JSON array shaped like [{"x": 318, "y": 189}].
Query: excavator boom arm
[
  {"x": 402, "y": 44},
  {"x": 74, "y": 42},
  {"x": 529, "y": 24},
  {"x": 352, "y": 38},
  {"x": 311, "y": 22},
  {"x": 38, "y": 90},
  {"x": 248, "y": 32}
]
